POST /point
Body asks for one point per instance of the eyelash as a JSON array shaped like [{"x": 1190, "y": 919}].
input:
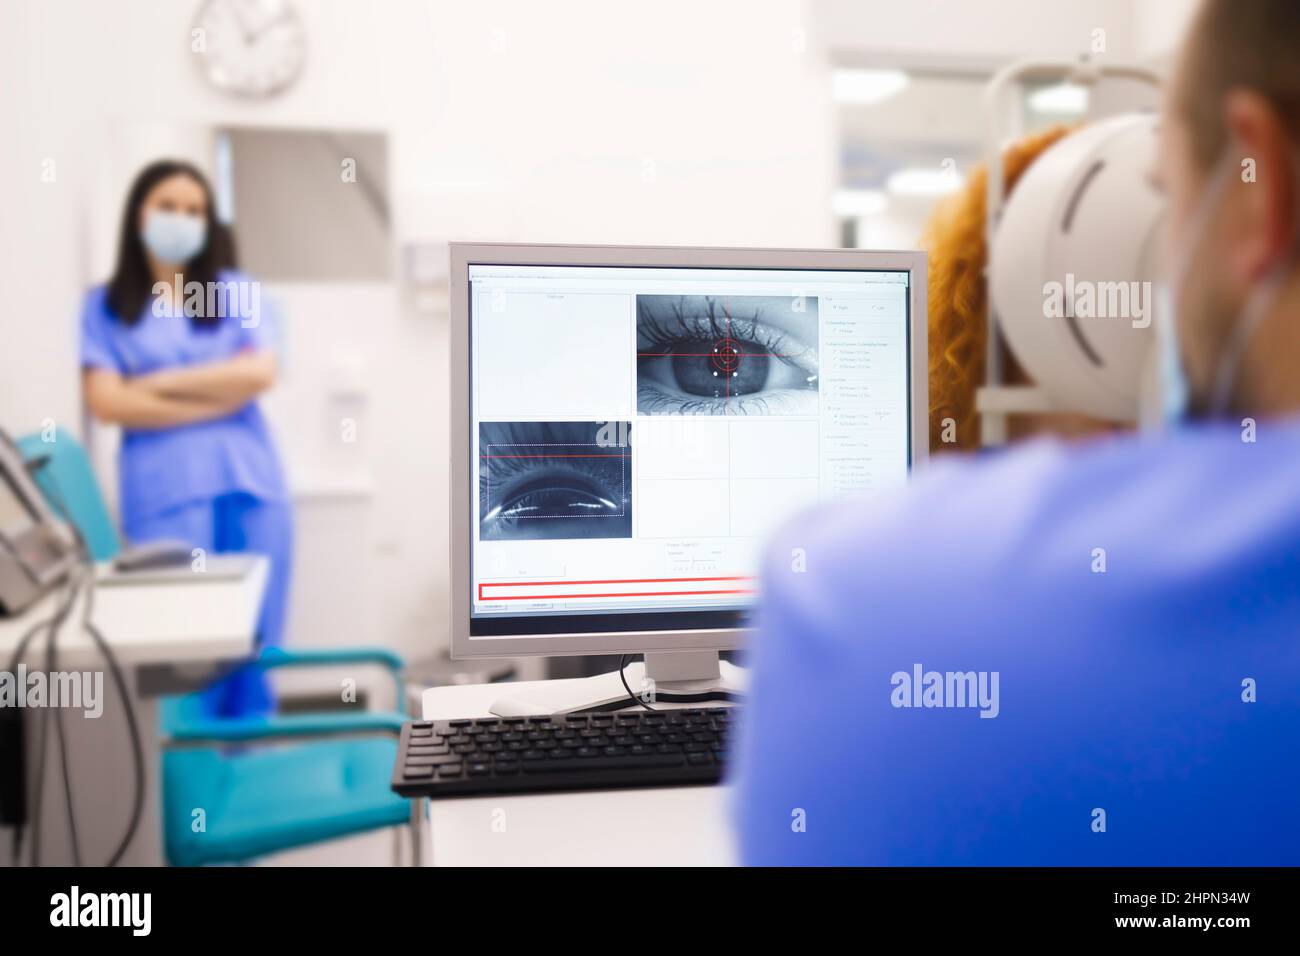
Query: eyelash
[
  {"x": 660, "y": 402},
  {"x": 692, "y": 328},
  {"x": 502, "y": 473},
  {"x": 695, "y": 328},
  {"x": 503, "y": 470}
]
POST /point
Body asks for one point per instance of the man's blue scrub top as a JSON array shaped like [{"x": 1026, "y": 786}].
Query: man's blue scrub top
[
  {"x": 163, "y": 468},
  {"x": 1124, "y": 732}
]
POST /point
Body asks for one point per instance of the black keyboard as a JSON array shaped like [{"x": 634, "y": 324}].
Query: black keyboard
[{"x": 456, "y": 758}]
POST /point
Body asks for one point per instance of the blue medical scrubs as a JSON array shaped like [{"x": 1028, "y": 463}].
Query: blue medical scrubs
[
  {"x": 1139, "y": 600},
  {"x": 216, "y": 484}
]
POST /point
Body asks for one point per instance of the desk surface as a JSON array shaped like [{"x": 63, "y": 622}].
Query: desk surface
[
  {"x": 180, "y": 622},
  {"x": 657, "y": 826}
]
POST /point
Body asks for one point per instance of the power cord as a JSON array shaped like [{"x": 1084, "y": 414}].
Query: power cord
[
  {"x": 133, "y": 730},
  {"x": 84, "y": 573},
  {"x": 677, "y": 698},
  {"x": 52, "y": 623},
  {"x": 51, "y": 638},
  {"x": 60, "y": 734},
  {"x": 622, "y": 673}
]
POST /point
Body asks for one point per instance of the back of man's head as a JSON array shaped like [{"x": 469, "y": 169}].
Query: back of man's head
[
  {"x": 1230, "y": 166},
  {"x": 1238, "y": 44}
]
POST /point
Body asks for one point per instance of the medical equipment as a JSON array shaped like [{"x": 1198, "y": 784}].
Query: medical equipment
[
  {"x": 1073, "y": 255},
  {"x": 75, "y": 600},
  {"x": 35, "y": 552}
]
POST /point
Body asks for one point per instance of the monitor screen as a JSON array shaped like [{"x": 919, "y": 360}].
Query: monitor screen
[{"x": 638, "y": 432}]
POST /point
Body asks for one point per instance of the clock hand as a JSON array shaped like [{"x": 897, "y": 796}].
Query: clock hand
[
  {"x": 240, "y": 25},
  {"x": 274, "y": 22}
]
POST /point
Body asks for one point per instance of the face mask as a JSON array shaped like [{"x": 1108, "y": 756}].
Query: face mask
[
  {"x": 1175, "y": 388},
  {"x": 173, "y": 238}
]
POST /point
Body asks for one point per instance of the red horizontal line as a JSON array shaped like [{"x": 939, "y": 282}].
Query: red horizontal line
[
  {"x": 554, "y": 597},
  {"x": 553, "y": 456},
  {"x": 533, "y": 584},
  {"x": 711, "y": 354}
]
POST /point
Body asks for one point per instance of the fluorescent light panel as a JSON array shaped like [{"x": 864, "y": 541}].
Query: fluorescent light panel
[
  {"x": 867, "y": 87},
  {"x": 922, "y": 181},
  {"x": 1069, "y": 99},
  {"x": 859, "y": 202}
]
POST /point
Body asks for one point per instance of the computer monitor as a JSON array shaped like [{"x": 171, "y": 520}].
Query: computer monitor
[{"x": 628, "y": 424}]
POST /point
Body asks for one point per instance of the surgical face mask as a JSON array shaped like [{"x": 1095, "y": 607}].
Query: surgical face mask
[
  {"x": 1175, "y": 387},
  {"x": 173, "y": 238}
]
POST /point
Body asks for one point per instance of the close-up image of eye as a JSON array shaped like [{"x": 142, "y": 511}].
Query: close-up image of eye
[
  {"x": 554, "y": 480},
  {"x": 726, "y": 355}
]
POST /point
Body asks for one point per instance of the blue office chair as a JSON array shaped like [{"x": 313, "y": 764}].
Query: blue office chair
[{"x": 238, "y": 789}]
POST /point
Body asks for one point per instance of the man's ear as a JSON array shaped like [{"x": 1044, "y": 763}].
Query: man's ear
[{"x": 1264, "y": 222}]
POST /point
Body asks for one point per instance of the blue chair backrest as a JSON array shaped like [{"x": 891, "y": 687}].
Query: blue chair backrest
[{"x": 63, "y": 473}]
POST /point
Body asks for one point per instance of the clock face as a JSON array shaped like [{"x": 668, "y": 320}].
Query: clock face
[{"x": 251, "y": 48}]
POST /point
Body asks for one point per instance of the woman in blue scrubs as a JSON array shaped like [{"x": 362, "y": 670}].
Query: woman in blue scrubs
[{"x": 174, "y": 349}]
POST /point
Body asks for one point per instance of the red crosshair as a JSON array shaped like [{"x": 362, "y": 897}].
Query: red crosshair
[{"x": 726, "y": 355}]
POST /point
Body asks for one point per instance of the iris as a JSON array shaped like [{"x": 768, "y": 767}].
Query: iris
[{"x": 719, "y": 355}]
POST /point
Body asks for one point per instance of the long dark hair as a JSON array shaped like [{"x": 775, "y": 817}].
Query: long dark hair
[{"x": 131, "y": 286}]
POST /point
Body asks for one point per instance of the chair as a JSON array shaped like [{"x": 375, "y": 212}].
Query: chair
[
  {"x": 222, "y": 807},
  {"x": 237, "y": 789},
  {"x": 63, "y": 473}
]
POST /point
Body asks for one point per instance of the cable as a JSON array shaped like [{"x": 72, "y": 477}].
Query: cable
[
  {"x": 133, "y": 730},
  {"x": 60, "y": 734},
  {"x": 115, "y": 670},
  {"x": 75, "y": 579},
  {"x": 137, "y": 809},
  {"x": 622, "y": 673},
  {"x": 55, "y": 620},
  {"x": 51, "y": 631}
]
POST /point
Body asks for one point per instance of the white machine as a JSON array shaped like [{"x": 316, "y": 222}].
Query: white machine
[{"x": 1073, "y": 255}]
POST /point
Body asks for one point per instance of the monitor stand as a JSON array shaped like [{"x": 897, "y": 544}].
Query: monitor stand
[{"x": 668, "y": 677}]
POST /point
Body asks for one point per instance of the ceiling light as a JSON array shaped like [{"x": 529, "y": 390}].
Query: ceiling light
[
  {"x": 1060, "y": 98},
  {"x": 923, "y": 181},
  {"x": 866, "y": 87},
  {"x": 859, "y": 202}
]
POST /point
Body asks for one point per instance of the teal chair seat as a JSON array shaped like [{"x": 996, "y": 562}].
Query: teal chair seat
[{"x": 258, "y": 802}]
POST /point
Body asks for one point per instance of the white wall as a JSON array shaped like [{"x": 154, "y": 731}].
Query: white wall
[
  {"x": 1159, "y": 25},
  {"x": 683, "y": 122}
]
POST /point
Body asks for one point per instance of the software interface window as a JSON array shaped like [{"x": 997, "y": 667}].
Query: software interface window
[{"x": 639, "y": 431}]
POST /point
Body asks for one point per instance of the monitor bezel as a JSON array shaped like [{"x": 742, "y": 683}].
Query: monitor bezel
[{"x": 714, "y": 630}]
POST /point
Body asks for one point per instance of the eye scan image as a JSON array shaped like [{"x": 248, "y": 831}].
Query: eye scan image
[
  {"x": 726, "y": 355},
  {"x": 554, "y": 480}
]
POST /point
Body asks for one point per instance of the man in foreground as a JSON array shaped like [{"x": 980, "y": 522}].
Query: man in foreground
[{"x": 1077, "y": 655}]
